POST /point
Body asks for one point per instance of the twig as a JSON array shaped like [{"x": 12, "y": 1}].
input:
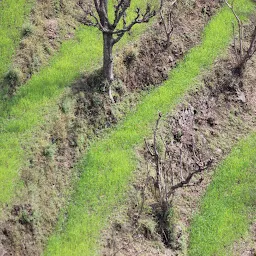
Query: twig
[
  {"x": 190, "y": 176},
  {"x": 181, "y": 173}
]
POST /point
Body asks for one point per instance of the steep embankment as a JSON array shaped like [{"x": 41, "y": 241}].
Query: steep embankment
[{"x": 108, "y": 164}]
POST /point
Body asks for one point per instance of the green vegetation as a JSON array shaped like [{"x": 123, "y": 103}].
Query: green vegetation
[
  {"x": 12, "y": 16},
  {"x": 106, "y": 169},
  {"x": 20, "y": 114},
  {"x": 228, "y": 203}
]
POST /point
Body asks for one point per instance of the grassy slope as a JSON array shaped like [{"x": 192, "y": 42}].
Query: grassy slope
[
  {"x": 225, "y": 210},
  {"x": 110, "y": 162},
  {"x": 22, "y": 113},
  {"x": 12, "y": 15}
]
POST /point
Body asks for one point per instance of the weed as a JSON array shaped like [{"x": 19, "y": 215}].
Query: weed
[
  {"x": 27, "y": 29},
  {"x": 13, "y": 78},
  {"x": 148, "y": 228},
  {"x": 66, "y": 105},
  {"x": 25, "y": 218},
  {"x": 50, "y": 151},
  {"x": 129, "y": 56}
]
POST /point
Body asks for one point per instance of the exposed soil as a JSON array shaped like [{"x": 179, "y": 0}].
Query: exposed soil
[
  {"x": 82, "y": 113},
  {"x": 247, "y": 246},
  {"x": 206, "y": 126},
  {"x": 148, "y": 62}
]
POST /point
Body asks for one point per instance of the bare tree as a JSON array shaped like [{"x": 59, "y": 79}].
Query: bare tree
[
  {"x": 167, "y": 180},
  {"x": 113, "y": 31},
  {"x": 242, "y": 56}
]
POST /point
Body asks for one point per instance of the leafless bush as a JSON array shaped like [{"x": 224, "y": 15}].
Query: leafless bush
[{"x": 166, "y": 180}]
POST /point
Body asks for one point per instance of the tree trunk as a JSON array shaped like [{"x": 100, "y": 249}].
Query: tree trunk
[{"x": 108, "y": 57}]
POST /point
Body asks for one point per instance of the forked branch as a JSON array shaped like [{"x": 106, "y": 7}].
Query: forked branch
[{"x": 101, "y": 20}]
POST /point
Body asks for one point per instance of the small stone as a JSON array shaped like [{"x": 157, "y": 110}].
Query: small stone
[
  {"x": 219, "y": 151},
  {"x": 241, "y": 96}
]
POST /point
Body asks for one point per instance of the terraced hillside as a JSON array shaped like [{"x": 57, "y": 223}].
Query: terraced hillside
[{"x": 69, "y": 151}]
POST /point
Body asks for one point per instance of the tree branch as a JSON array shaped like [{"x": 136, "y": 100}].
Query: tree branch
[
  {"x": 140, "y": 18},
  {"x": 120, "y": 10},
  {"x": 190, "y": 176},
  {"x": 91, "y": 14}
]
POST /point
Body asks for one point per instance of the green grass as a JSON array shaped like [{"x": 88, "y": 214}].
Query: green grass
[
  {"x": 12, "y": 16},
  {"x": 28, "y": 108},
  {"x": 227, "y": 206},
  {"x": 109, "y": 163}
]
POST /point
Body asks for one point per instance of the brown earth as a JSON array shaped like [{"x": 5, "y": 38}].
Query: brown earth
[
  {"x": 82, "y": 114},
  {"x": 205, "y": 126}
]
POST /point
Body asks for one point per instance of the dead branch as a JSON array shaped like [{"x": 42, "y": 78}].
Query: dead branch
[
  {"x": 165, "y": 182},
  {"x": 190, "y": 176},
  {"x": 156, "y": 154}
]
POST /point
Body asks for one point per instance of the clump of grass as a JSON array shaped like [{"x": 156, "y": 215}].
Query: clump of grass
[
  {"x": 129, "y": 56},
  {"x": 50, "y": 151},
  {"x": 13, "y": 77},
  {"x": 27, "y": 29},
  {"x": 226, "y": 208},
  {"x": 109, "y": 163}
]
